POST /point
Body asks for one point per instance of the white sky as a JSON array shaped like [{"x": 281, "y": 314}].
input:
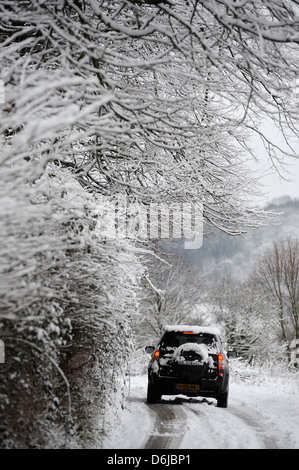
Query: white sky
[
  {"x": 275, "y": 185},
  {"x": 285, "y": 181}
]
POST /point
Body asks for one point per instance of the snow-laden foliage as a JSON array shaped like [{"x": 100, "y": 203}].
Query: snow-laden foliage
[
  {"x": 249, "y": 321},
  {"x": 170, "y": 292},
  {"x": 155, "y": 100},
  {"x": 276, "y": 275},
  {"x": 66, "y": 299}
]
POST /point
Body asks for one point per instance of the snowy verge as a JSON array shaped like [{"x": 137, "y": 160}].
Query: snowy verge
[{"x": 130, "y": 430}]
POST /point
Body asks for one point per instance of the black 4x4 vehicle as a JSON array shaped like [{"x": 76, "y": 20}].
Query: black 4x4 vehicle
[{"x": 188, "y": 360}]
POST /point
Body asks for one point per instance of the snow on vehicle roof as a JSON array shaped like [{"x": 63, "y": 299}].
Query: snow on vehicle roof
[{"x": 194, "y": 328}]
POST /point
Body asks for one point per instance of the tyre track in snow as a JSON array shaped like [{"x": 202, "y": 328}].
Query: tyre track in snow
[
  {"x": 241, "y": 429},
  {"x": 254, "y": 422},
  {"x": 170, "y": 425}
]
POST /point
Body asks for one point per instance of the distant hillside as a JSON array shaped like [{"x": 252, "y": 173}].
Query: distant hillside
[{"x": 222, "y": 254}]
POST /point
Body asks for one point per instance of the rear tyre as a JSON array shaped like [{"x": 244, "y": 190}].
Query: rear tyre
[
  {"x": 153, "y": 395},
  {"x": 222, "y": 400}
]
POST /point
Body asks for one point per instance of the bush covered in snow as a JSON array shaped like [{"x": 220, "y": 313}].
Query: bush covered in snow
[{"x": 66, "y": 299}]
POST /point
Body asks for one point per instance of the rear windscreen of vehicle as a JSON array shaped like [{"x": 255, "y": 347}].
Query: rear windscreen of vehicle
[{"x": 174, "y": 339}]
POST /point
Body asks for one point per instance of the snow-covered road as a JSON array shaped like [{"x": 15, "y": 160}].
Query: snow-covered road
[{"x": 259, "y": 416}]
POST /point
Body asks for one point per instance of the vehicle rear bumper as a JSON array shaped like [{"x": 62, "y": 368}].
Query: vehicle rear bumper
[{"x": 202, "y": 387}]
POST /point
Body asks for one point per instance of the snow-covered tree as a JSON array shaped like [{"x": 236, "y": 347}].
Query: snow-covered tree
[
  {"x": 277, "y": 276},
  {"x": 248, "y": 319},
  {"x": 151, "y": 99},
  {"x": 170, "y": 294}
]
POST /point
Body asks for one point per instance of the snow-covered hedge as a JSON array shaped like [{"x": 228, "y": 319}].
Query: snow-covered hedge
[{"x": 66, "y": 299}]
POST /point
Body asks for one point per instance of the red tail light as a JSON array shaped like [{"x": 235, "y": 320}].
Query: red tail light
[
  {"x": 157, "y": 354},
  {"x": 221, "y": 364}
]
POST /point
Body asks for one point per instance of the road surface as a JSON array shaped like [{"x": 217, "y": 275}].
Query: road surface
[{"x": 259, "y": 416}]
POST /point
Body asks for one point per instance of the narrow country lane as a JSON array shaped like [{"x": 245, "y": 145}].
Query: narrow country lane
[{"x": 258, "y": 417}]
